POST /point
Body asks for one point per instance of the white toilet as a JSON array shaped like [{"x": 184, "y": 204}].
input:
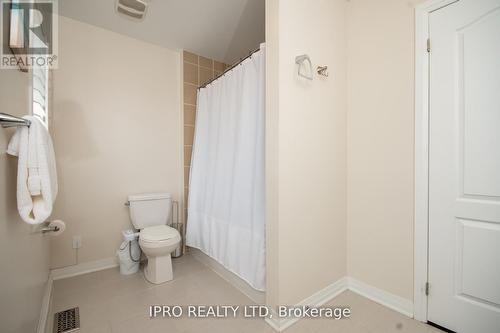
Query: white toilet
[{"x": 150, "y": 214}]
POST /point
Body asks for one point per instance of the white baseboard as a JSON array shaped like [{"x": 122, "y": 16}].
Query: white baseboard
[
  {"x": 63, "y": 273},
  {"x": 394, "y": 302},
  {"x": 66, "y": 272},
  {"x": 84, "y": 268},
  {"x": 318, "y": 299},
  {"x": 46, "y": 302},
  {"x": 259, "y": 297}
]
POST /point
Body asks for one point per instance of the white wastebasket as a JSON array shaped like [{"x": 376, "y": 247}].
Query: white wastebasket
[{"x": 129, "y": 255}]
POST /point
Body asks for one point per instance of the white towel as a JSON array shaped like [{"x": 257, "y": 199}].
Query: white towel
[{"x": 36, "y": 171}]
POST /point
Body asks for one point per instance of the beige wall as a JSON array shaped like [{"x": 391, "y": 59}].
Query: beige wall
[
  {"x": 197, "y": 70},
  {"x": 306, "y": 149},
  {"x": 117, "y": 120},
  {"x": 24, "y": 256},
  {"x": 380, "y": 144}
]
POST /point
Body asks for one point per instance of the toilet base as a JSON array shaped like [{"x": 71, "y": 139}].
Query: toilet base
[{"x": 159, "y": 269}]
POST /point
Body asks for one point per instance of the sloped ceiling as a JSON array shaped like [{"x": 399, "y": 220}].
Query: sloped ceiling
[{"x": 224, "y": 30}]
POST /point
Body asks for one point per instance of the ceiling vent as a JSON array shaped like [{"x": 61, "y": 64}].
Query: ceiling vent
[{"x": 134, "y": 9}]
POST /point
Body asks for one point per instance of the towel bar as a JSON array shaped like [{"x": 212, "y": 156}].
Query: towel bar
[{"x": 7, "y": 120}]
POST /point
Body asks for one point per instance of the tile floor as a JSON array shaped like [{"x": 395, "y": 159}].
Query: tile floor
[{"x": 110, "y": 302}]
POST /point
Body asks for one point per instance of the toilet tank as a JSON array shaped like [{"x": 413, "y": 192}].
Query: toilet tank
[{"x": 149, "y": 209}]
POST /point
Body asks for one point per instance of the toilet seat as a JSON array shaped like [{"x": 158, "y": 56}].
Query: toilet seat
[
  {"x": 158, "y": 233},
  {"x": 157, "y": 243}
]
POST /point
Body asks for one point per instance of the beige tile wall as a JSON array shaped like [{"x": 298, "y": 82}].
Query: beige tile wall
[{"x": 197, "y": 71}]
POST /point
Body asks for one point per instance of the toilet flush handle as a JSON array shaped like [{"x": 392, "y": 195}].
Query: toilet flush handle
[{"x": 127, "y": 203}]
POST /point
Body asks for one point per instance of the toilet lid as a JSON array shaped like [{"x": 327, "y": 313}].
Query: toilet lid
[{"x": 158, "y": 233}]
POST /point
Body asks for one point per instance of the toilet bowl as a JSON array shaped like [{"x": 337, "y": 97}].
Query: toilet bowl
[
  {"x": 157, "y": 243},
  {"x": 150, "y": 214}
]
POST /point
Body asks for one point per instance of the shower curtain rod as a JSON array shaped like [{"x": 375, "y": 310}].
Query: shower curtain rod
[{"x": 229, "y": 68}]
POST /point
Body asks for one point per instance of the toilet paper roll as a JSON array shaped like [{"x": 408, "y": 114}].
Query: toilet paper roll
[{"x": 57, "y": 224}]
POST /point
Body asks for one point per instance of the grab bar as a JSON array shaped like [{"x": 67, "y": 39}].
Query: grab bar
[{"x": 7, "y": 120}]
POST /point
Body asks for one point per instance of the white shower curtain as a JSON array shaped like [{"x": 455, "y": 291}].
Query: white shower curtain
[{"x": 226, "y": 216}]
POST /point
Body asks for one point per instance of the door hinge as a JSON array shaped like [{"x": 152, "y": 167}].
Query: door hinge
[
  {"x": 428, "y": 45},
  {"x": 427, "y": 287}
]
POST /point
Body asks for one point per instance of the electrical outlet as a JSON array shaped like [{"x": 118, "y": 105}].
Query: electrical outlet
[{"x": 77, "y": 242}]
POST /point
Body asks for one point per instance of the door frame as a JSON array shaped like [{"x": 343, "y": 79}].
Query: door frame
[{"x": 421, "y": 213}]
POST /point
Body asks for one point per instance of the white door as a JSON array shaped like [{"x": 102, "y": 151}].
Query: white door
[{"x": 464, "y": 167}]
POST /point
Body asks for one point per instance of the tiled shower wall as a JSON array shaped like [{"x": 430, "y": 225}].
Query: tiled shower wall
[{"x": 197, "y": 71}]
